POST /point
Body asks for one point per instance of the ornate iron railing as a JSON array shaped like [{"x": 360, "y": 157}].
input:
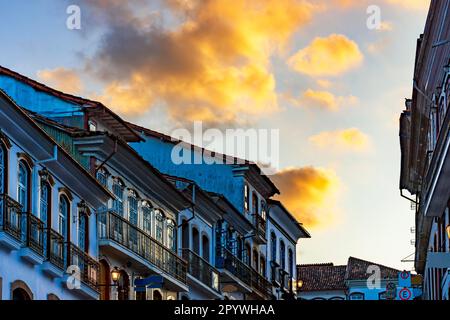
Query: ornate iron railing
[
  {"x": 55, "y": 248},
  {"x": 34, "y": 232},
  {"x": 116, "y": 228},
  {"x": 89, "y": 267},
  {"x": 200, "y": 269},
  {"x": 260, "y": 225},
  {"x": 225, "y": 259},
  {"x": 260, "y": 284},
  {"x": 10, "y": 217}
]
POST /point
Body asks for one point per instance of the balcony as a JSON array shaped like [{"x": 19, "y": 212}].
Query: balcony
[
  {"x": 54, "y": 252},
  {"x": 10, "y": 223},
  {"x": 201, "y": 270},
  {"x": 113, "y": 227},
  {"x": 33, "y": 227},
  {"x": 260, "y": 285},
  {"x": 88, "y": 268},
  {"x": 260, "y": 225},
  {"x": 238, "y": 270}
]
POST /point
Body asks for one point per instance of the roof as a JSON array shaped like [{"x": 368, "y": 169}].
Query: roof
[
  {"x": 76, "y": 164},
  {"x": 294, "y": 220},
  {"x": 94, "y": 108},
  {"x": 357, "y": 270},
  {"x": 326, "y": 276},
  {"x": 226, "y": 158},
  {"x": 322, "y": 277}
]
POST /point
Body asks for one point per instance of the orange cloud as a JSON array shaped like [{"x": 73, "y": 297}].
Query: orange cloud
[
  {"x": 213, "y": 66},
  {"x": 62, "y": 79},
  {"x": 342, "y": 140},
  {"x": 310, "y": 194},
  {"x": 330, "y": 56},
  {"x": 327, "y": 100}
]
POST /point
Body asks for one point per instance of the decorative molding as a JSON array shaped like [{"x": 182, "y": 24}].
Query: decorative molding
[
  {"x": 83, "y": 208},
  {"x": 66, "y": 192},
  {"x": 19, "y": 284},
  {"x": 22, "y": 156},
  {"x": 44, "y": 173},
  {"x": 5, "y": 140}
]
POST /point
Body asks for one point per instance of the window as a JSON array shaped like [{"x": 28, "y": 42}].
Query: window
[
  {"x": 171, "y": 238},
  {"x": 82, "y": 232},
  {"x": 102, "y": 177},
  {"x": 3, "y": 171},
  {"x": 23, "y": 185},
  {"x": 184, "y": 234},
  {"x": 262, "y": 266},
  {"x": 255, "y": 260},
  {"x": 263, "y": 210},
  {"x": 159, "y": 226},
  {"x": 282, "y": 255},
  {"x": 195, "y": 241},
  {"x": 239, "y": 247},
  {"x": 118, "y": 192},
  {"x": 290, "y": 263},
  {"x": 357, "y": 296},
  {"x": 247, "y": 254},
  {"x": 255, "y": 209},
  {"x": 92, "y": 126},
  {"x": 63, "y": 216},
  {"x": 147, "y": 217},
  {"x": 133, "y": 208},
  {"x": 44, "y": 205},
  {"x": 205, "y": 247},
  {"x": 246, "y": 197},
  {"x": 273, "y": 246}
]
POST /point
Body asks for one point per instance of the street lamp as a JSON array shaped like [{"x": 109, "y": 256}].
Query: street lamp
[
  {"x": 448, "y": 231},
  {"x": 299, "y": 284},
  {"x": 115, "y": 275}
]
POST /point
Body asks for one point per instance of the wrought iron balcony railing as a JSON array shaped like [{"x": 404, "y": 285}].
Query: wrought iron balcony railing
[
  {"x": 10, "y": 213},
  {"x": 200, "y": 269},
  {"x": 89, "y": 267},
  {"x": 114, "y": 227},
  {"x": 260, "y": 284},
  {"x": 260, "y": 225},
  {"x": 228, "y": 261},
  {"x": 54, "y": 248},
  {"x": 225, "y": 259},
  {"x": 34, "y": 232}
]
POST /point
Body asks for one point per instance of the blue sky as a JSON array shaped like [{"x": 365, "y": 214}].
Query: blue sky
[{"x": 367, "y": 217}]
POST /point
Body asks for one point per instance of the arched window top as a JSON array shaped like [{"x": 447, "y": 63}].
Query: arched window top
[
  {"x": 4, "y": 141},
  {"x": 170, "y": 223},
  {"x": 146, "y": 204},
  {"x": 25, "y": 158},
  {"x": 118, "y": 181},
  {"x": 159, "y": 214},
  {"x": 65, "y": 192},
  {"x": 46, "y": 177},
  {"x": 133, "y": 193}
]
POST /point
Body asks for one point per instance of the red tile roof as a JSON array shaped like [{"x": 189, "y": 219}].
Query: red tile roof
[
  {"x": 321, "y": 277},
  {"x": 357, "y": 270}
]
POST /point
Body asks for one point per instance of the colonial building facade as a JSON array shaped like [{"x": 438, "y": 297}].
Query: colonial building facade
[
  {"x": 425, "y": 163},
  {"x": 148, "y": 228}
]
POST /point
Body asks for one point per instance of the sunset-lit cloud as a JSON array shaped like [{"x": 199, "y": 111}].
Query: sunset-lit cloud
[
  {"x": 330, "y": 56},
  {"x": 310, "y": 194},
  {"x": 352, "y": 139},
  {"x": 186, "y": 68},
  {"x": 326, "y": 100},
  {"x": 62, "y": 79}
]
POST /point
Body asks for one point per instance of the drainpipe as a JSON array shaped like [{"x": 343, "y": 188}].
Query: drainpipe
[
  {"x": 108, "y": 157},
  {"x": 54, "y": 158}
]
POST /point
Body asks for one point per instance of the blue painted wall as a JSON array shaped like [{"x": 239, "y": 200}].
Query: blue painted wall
[
  {"x": 37, "y": 101},
  {"x": 210, "y": 177}
]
